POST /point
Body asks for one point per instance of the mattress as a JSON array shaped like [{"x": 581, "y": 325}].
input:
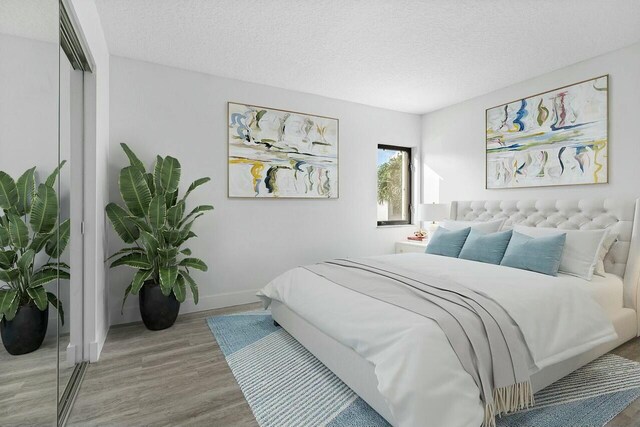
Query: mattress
[{"x": 606, "y": 291}]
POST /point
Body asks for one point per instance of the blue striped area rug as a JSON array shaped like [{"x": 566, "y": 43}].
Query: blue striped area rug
[{"x": 285, "y": 385}]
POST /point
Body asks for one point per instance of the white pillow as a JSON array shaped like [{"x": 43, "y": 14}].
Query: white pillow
[
  {"x": 602, "y": 253},
  {"x": 484, "y": 226},
  {"x": 581, "y": 249}
]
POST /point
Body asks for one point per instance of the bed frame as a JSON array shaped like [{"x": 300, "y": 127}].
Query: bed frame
[{"x": 622, "y": 217}]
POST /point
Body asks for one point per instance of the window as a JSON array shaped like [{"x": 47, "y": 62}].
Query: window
[{"x": 394, "y": 185}]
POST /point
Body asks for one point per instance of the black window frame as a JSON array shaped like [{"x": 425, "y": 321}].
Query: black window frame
[{"x": 409, "y": 185}]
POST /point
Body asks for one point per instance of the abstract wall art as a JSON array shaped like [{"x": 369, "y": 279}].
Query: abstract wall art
[
  {"x": 558, "y": 137},
  {"x": 281, "y": 154}
]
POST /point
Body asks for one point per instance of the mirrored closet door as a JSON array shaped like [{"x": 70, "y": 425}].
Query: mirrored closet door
[
  {"x": 29, "y": 79},
  {"x": 42, "y": 68}
]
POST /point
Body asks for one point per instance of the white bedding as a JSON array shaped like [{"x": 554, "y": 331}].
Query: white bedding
[
  {"x": 607, "y": 291},
  {"x": 418, "y": 373}
]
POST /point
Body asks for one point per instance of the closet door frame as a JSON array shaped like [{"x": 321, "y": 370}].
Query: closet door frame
[
  {"x": 76, "y": 244},
  {"x": 71, "y": 45}
]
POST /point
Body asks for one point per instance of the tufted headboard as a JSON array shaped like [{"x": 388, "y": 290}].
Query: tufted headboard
[{"x": 621, "y": 216}]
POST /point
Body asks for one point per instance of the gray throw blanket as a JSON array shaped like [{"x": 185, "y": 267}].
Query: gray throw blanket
[{"x": 482, "y": 334}]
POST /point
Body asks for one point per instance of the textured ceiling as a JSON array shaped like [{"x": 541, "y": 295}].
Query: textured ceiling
[
  {"x": 413, "y": 56},
  {"x": 32, "y": 19}
]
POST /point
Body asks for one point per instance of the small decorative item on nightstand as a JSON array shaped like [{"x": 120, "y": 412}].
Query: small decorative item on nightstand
[
  {"x": 432, "y": 212},
  {"x": 418, "y": 236}
]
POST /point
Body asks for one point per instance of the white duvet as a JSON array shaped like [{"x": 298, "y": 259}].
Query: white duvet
[{"x": 418, "y": 373}]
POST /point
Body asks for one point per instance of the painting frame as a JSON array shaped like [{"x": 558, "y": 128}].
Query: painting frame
[
  {"x": 254, "y": 197},
  {"x": 606, "y": 118}
]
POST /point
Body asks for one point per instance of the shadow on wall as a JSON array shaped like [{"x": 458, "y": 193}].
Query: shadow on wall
[{"x": 430, "y": 185}]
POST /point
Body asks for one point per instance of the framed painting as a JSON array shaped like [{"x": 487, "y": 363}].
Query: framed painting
[
  {"x": 559, "y": 137},
  {"x": 281, "y": 154}
]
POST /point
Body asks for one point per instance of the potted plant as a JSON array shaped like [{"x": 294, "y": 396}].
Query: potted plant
[
  {"x": 153, "y": 220},
  {"x": 24, "y": 301}
]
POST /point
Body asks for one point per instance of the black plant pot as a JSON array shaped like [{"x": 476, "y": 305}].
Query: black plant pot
[
  {"x": 25, "y": 332},
  {"x": 158, "y": 311}
]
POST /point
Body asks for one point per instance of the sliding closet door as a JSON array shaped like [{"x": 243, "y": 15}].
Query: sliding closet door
[
  {"x": 70, "y": 189},
  {"x": 29, "y": 79}
]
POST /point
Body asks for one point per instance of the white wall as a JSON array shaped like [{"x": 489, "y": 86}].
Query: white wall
[
  {"x": 246, "y": 243},
  {"x": 453, "y": 146}
]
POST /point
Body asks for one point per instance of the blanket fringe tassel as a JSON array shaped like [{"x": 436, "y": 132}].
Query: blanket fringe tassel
[{"x": 506, "y": 400}]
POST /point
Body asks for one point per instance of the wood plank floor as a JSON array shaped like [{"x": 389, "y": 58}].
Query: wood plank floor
[
  {"x": 179, "y": 377},
  {"x": 28, "y": 386},
  {"x": 175, "y": 377}
]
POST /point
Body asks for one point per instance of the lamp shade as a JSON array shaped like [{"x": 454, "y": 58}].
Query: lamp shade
[{"x": 432, "y": 212}]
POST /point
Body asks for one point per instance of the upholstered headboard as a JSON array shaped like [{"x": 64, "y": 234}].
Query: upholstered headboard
[{"x": 621, "y": 216}]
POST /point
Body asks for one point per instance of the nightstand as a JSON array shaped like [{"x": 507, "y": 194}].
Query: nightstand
[{"x": 408, "y": 246}]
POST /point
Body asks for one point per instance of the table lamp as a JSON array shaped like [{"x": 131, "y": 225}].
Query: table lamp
[{"x": 432, "y": 212}]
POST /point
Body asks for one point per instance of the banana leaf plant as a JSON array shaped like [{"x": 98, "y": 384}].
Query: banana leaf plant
[
  {"x": 29, "y": 224},
  {"x": 154, "y": 222}
]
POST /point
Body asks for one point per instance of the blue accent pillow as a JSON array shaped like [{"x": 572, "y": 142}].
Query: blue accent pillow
[
  {"x": 446, "y": 242},
  {"x": 540, "y": 254},
  {"x": 485, "y": 247}
]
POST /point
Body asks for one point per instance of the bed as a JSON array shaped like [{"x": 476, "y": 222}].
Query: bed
[{"x": 413, "y": 381}]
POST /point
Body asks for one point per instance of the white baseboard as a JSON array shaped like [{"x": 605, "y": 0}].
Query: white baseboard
[
  {"x": 95, "y": 348},
  {"x": 131, "y": 312},
  {"x": 72, "y": 356}
]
